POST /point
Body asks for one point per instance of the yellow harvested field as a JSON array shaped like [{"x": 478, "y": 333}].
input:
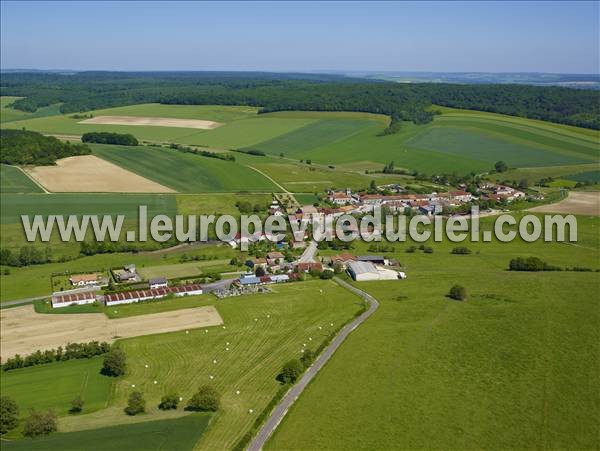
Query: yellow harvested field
[
  {"x": 23, "y": 331},
  {"x": 152, "y": 122},
  {"x": 90, "y": 174},
  {"x": 577, "y": 203}
]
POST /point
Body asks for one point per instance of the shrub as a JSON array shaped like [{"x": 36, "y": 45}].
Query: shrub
[
  {"x": 76, "y": 405},
  {"x": 115, "y": 363},
  {"x": 136, "y": 403},
  {"x": 40, "y": 423},
  {"x": 206, "y": 399},
  {"x": 458, "y": 292},
  {"x": 290, "y": 372},
  {"x": 530, "y": 264},
  {"x": 9, "y": 414},
  {"x": 461, "y": 250},
  {"x": 326, "y": 275},
  {"x": 411, "y": 249},
  {"x": 169, "y": 401},
  {"x": 308, "y": 357},
  {"x": 428, "y": 250}
]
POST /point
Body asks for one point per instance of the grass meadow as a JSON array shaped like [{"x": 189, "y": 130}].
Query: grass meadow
[
  {"x": 512, "y": 367},
  {"x": 55, "y": 385},
  {"x": 179, "y": 434}
]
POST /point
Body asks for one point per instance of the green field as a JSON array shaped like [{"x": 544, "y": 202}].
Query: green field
[
  {"x": 189, "y": 269},
  {"x": 513, "y": 367},
  {"x": 55, "y": 385},
  {"x": 66, "y": 125},
  {"x": 177, "y": 435},
  {"x": 590, "y": 176},
  {"x": 478, "y": 146},
  {"x": 13, "y": 180},
  {"x": 217, "y": 203},
  {"x": 263, "y": 331},
  {"x": 314, "y": 135},
  {"x": 15, "y": 205},
  {"x": 184, "y": 172}
]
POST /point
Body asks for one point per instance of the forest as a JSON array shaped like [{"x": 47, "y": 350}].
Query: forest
[
  {"x": 24, "y": 147},
  {"x": 87, "y": 91}
]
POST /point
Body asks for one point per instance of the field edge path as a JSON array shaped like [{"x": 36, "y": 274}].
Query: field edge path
[{"x": 290, "y": 397}]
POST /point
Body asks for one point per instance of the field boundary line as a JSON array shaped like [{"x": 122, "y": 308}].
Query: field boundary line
[
  {"x": 38, "y": 184},
  {"x": 292, "y": 395}
]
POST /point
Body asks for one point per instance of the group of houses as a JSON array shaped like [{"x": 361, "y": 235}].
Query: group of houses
[{"x": 427, "y": 204}]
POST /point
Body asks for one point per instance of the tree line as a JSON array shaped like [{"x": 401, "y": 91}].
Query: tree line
[
  {"x": 87, "y": 91},
  {"x": 124, "y": 139},
  {"x": 60, "y": 354},
  {"x": 23, "y": 147}
]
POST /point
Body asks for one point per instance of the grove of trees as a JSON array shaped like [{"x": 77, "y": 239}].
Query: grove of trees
[
  {"x": 23, "y": 147},
  {"x": 124, "y": 139}
]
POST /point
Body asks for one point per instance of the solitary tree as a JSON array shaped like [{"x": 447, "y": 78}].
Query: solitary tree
[
  {"x": 39, "y": 423},
  {"x": 458, "y": 292},
  {"x": 115, "y": 363},
  {"x": 291, "y": 371},
  {"x": 206, "y": 399},
  {"x": 136, "y": 403},
  {"x": 9, "y": 414},
  {"x": 169, "y": 401},
  {"x": 500, "y": 166}
]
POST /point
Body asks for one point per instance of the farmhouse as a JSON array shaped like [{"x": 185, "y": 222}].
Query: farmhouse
[
  {"x": 128, "y": 274},
  {"x": 311, "y": 266},
  {"x": 64, "y": 300},
  {"x": 159, "y": 282},
  {"x": 130, "y": 297},
  {"x": 82, "y": 280},
  {"x": 363, "y": 271}
]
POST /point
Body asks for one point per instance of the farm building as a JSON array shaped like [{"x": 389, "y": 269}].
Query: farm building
[
  {"x": 130, "y": 297},
  {"x": 375, "y": 259},
  {"x": 312, "y": 266},
  {"x": 363, "y": 271},
  {"x": 159, "y": 282},
  {"x": 64, "y": 300},
  {"x": 82, "y": 280}
]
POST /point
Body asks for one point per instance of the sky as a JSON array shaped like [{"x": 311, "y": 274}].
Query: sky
[{"x": 558, "y": 37}]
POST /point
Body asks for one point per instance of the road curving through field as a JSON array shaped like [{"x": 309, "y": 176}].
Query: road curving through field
[{"x": 290, "y": 397}]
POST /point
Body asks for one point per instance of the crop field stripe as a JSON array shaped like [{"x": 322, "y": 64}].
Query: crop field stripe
[
  {"x": 326, "y": 131},
  {"x": 15, "y": 205},
  {"x": 554, "y": 140},
  {"x": 186, "y": 173}
]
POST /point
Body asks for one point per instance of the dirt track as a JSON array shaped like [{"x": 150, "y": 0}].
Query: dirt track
[
  {"x": 23, "y": 331},
  {"x": 152, "y": 122},
  {"x": 90, "y": 174},
  {"x": 577, "y": 203}
]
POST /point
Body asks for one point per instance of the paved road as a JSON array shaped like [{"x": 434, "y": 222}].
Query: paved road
[
  {"x": 308, "y": 256},
  {"x": 277, "y": 415}
]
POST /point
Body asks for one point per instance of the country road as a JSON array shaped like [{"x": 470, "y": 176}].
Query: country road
[{"x": 290, "y": 397}]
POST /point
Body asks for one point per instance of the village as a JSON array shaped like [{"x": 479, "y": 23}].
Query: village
[{"x": 126, "y": 285}]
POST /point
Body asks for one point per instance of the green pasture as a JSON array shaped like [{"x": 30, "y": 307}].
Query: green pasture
[
  {"x": 55, "y": 385},
  {"x": 590, "y": 176},
  {"x": 533, "y": 175},
  {"x": 512, "y": 367},
  {"x": 218, "y": 203},
  {"x": 13, "y": 180},
  {"x": 185, "y": 172},
  {"x": 179, "y": 434},
  {"x": 15, "y": 205}
]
